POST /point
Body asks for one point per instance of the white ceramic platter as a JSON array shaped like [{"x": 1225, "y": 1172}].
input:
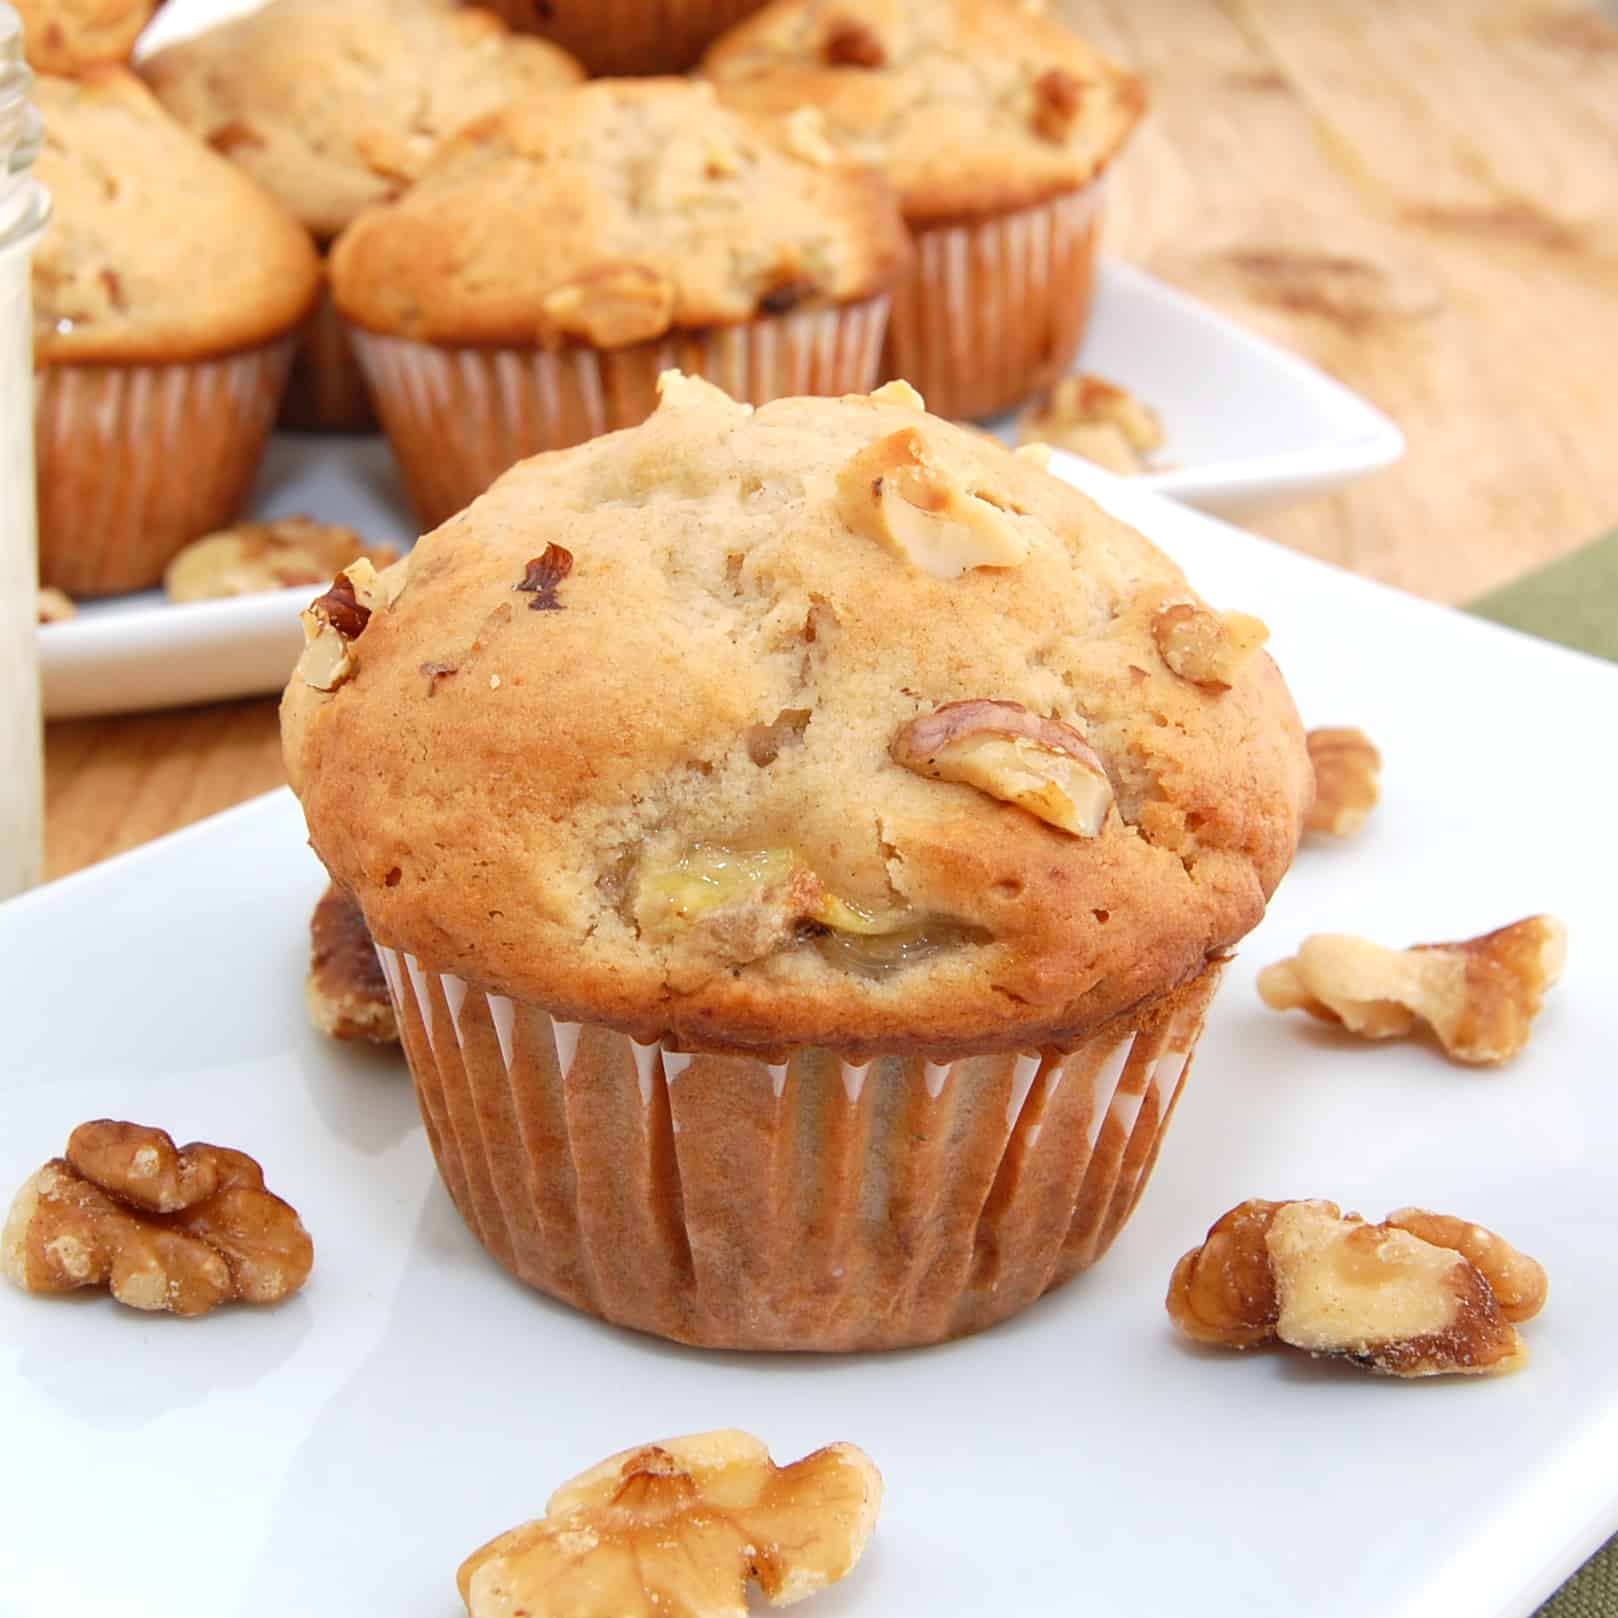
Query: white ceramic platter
[
  {"x": 340, "y": 1454},
  {"x": 1247, "y": 424}
]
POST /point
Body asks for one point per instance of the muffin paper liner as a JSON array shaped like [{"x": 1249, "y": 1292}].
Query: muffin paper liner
[
  {"x": 327, "y": 392},
  {"x": 614, "y": 37},
  {"x": 135, "y": 461},
  {"x": 459, "y": 417},
  {"x": 995, "y": 308},
  {"x": 810, "y": 1203}
]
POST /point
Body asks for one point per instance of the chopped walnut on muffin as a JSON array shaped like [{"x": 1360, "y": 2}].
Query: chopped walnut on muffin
[
  {"x": 1479, "y": 996},
  {"x": 1099, "y": 420},
  {"x": 1419, "y": 1295}
]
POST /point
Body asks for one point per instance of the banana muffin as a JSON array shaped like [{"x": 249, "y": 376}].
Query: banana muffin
[
  {"x": 67, "y": 36},
  {"x": 802, "y": 844},
  {"x": 628, "y": 36},
  {"x": 995, "y": 123},
  {"x": 168, "y": 291},
  {"x": 334, "y": 105},
  {"x": 559, "y": 254}
]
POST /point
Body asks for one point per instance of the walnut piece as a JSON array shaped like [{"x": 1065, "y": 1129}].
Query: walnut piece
[
  {"x": 676, "y": 1530},
  {"x": 52, "y": 606},
  {"x": 1089, "y": 416},
  {"x": 181, "y": 1229},
  {"x": 1408, "y": 1297},
  {"x": 899, "y": 392},
  {"x": 345, "y": 993},
  {"x": 1041, "y": 765},
  {"x": 851, "y": 43},
  {"x": 544, "y": 576},
  {"x": 1205, "y": 647},
  {"x": 1057, "y": 95},
  {"x": 1479, "y": 996},
  {"x": 609, "y": 307},
  {"x": 274, "y": 555},
  {"x": 334, "y": 621},
  {"x": 895, "y": 492},
  {"x": 806, "y": 138},
  {"x": 1348, "y": 769}
]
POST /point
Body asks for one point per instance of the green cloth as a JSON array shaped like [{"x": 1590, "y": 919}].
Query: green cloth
[{"x": 1574, "y": 601}]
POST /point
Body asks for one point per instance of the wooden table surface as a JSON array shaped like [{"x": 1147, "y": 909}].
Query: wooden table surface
[{"x": 1421, "y": 199}]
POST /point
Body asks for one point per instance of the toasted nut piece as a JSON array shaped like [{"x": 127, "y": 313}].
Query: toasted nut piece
[
  {"x": 806, "y": 138},
  {"x": 851, "y": 43},
  {"x": 259, "y": 556},
  {"x": 1089, "y": 416},
  {"x": 164, "y": 1228},
  {"x": 1041, "y": 765},
  {"x": 899, "y": 392},
  {"x": 334, "y": 621},
  {"x": 677, "y": 391},
  {"x": 53, "y": 607},
  {"x": 1057, "y": 95},
  {"x": 1479, "y": 996},
  {"x": 1347, "y": 771},
  {"x": 1035, "y": 454},
  {"x": 609, "y": 307},
  {"x": 1519, "y": 1283},
  {"x": 1402, "y": 1301},
  {"x": 345, "y": 993},
  {"x": 895, "y": 492},
  {"x": 675, "y": 1530},
  {"x": 1207, "y": 648}
]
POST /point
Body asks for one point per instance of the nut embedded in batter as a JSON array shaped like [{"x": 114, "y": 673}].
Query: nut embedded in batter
[
  {"x": 609, "y": 307},
  {"x": 1348, "y": 771},
  {"x": 164, "y": 1228},
  {"x": 1479, "y": 996},
  {"x": 1207, "y": 648},
  {"x": 677, "y": 1529},
  {"x": 1408, "y": 1297}
]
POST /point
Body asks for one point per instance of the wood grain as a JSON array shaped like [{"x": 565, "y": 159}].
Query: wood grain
[{"x": 1421, "y": 199}]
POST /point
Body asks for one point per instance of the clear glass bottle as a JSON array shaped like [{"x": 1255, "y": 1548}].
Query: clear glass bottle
[{"x": 23, "y": 210}]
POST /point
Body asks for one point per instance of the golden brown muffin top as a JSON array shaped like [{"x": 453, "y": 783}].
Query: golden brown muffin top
[
  {"x": 337, "y": 104},
  {"x": 614, "y": 213},
  {"x": 65, "y": 36},
  {"x": 628, "y": 741},
  {"x": 971, "y": 106},
  {"x": 157, "y": 248}
]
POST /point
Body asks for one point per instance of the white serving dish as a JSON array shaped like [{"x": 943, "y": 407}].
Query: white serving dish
[
  {"x": 340, "y": 1454},
  {"x": 1248, "y": 424}
]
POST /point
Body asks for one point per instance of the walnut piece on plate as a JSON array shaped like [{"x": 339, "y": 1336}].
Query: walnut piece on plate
[
  {"x": 257, "y": 556},
  {"x": 1421, "y": 1294},
  {"x": 181, "y": 1229},
  {"x": 677, "y": 1529},
  {"x": 1096, "y": 419},
  {"x": 1348, "y": 771},
  {"x": 345, "y": 992},
  {"x": 1479, "y": 996}
]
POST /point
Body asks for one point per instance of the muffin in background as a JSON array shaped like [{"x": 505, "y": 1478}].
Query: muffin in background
[
  {"x": 556, "y": 256},
  {"x": 801, "y": 844},
  {"x": 995, "y": 124},
  {"x": 168, "y": 290},
  {"x": 66, "y": 36},
  {"x": 613, "y": 37},
  {"x": 335, "y": 105}
]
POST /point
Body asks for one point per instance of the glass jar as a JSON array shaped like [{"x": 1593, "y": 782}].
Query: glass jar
[{"x": 23, "y": 211}]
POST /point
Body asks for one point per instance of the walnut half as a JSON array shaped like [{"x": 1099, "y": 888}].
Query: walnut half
[
  {"x": 1418, "y": 1295},
  {"x": 1348, "y": 771},
  {"x": 1479, "y": 996},
  {"x": 345, "y": 994},
  {"x": 163, "y": 1227},
  {"x": 676, "y": 1530},
  {"x": 1041, "y": 765}
]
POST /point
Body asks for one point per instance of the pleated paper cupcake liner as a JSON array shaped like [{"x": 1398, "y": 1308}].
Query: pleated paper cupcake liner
[
  {"x": 136, "y": 461},
  {"x": 459, "y": 417},
  {"x": 616, "y": 37},
  {"x": 995, "y": 308},
  {"x": 327, "y": 392},
  {"x": 804, "y": 1204}
]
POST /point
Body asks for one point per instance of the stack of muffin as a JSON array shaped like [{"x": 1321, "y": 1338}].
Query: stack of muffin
[{"x": 425, "y": 207}]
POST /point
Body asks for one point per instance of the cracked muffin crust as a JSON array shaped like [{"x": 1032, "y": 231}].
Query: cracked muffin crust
[
  {"x": 334, "y": 105},
  {"x": 614, "y": 213},
  {"x": 971, "y": 106},
  {"x": 624, "y": 743},
  {"x": 157, "y": 249}
]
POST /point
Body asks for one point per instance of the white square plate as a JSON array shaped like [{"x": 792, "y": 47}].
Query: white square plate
[
  {"x": 341, "y": 1453},
  {"x": 1247, "y": 425}
]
